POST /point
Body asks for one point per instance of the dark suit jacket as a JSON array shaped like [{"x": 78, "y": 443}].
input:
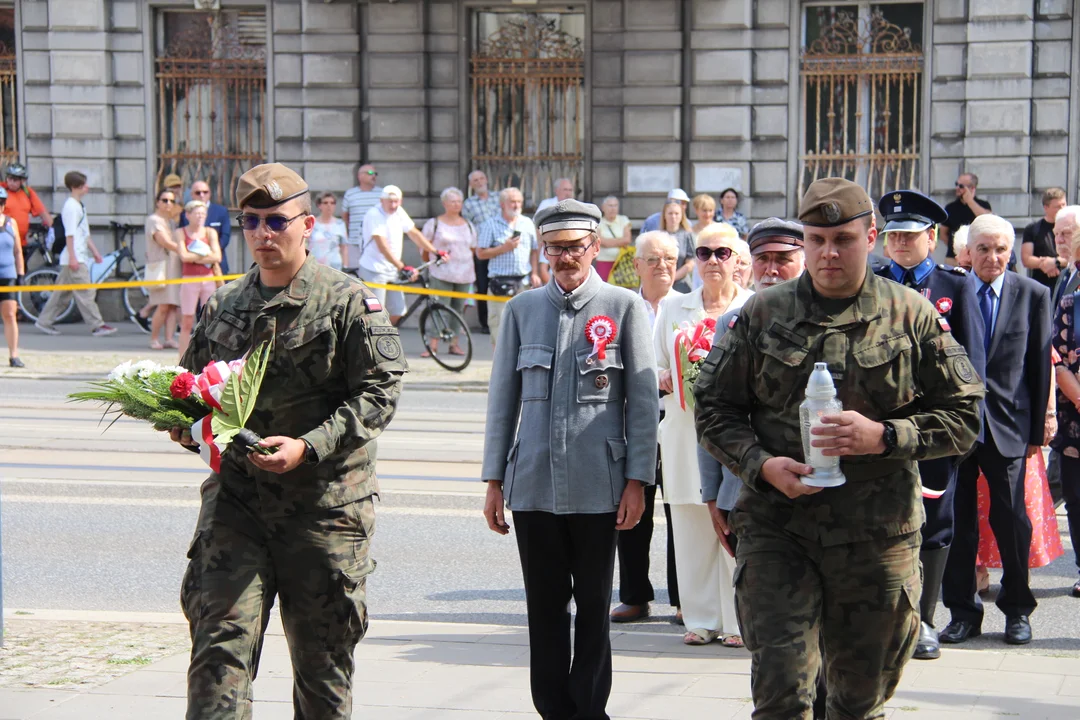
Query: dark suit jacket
[{"x": 1018, "y": 366}]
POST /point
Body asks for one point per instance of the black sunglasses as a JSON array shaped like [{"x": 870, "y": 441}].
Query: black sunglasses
[
  {"x": 703, "y": 253},
  {"x": 371, "y": 172},
  {"x": 276, "y": 223},
  {"x": 167, "y": 201}
]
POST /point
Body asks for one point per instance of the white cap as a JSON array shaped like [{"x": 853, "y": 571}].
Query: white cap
[
  {"x": 678, "y": 194},
  {"x": 391, "y": 191}
]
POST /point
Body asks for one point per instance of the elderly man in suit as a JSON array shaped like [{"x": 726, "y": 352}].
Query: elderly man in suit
[
  {"x": 570, "y": 445},
  {"x": 1016, "y": 315}
]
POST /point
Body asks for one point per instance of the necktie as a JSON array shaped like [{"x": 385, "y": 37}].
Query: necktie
[
  {"x": 986, "y": 306},
  {"x": 1063, "y": 283},
  {"x": 908, "y": 279}
]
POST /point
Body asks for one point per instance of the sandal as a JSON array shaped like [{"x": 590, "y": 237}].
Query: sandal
[
  {"x": 732, "y": 641},
  {"x": 172, "y": 344},
  {"x": 700, "y": 637},
  {"x": 982, "y": 580},
  {"x": 455, "y": 350},
  {"x": 156, "y": 345},
  {"x": 425, "y": 354}
]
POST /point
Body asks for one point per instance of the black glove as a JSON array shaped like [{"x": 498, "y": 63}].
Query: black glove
[{"x": 19, "y": 279}]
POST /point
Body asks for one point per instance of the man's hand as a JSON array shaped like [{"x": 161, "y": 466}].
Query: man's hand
[
  {"x": 46, "y": 220},
  {"x": 849, "y": 433},
  {"x": 720, "y": 526},
  {"x": 288, "y": 456},
  {"x": 1050, "y": 429},
  {"x": 631, "y": 506},
  {"x": 967, "y": 196},
  {"x": 97, "y": 257},
  {"x": 494, "y": 512},
  {"x": 182, "y": 436},
  {"x": 784, "y": 474},
  {"x": 665, "y": 380},
  {"x": 1032, "y": 449},
  {"x": 535, "y": 281},
  {"x": 73, "y": 261},
  {"x": 409, "y": 273},
  {"x": 1049, "y": 267}
]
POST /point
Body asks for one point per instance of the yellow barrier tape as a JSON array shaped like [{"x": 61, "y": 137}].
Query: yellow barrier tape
[{"x": 119, "y": 284}]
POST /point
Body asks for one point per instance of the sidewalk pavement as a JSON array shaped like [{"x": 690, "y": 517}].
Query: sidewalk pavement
[
  {"x": 75, "y": 355},
  {"x": 451, "y": 671}
]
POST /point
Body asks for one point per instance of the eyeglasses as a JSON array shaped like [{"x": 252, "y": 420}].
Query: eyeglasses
[
  {"x": 275, "y": 223},
  {"x": 721, "y": 253},
  {"x": 372, "y": 173},
  {"x": 962, "y": 186},
  {"x": 654, "y": 260},
  {"x": 574, "y": 251},
  {"x": 167, "y": 201}
]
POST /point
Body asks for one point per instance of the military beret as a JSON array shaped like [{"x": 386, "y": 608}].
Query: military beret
[
  {"x": 910, "y": 211},
  {"x": 171, "y": 180},
  {"x": 568, "y": 215},
  {"x": 830, "y": 202},
  {"x": 775, "y": 235},
  {"x": 268, "y": 185}
]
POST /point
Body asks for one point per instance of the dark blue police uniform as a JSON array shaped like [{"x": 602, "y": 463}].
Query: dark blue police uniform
[{"x": 950, "y": 292}]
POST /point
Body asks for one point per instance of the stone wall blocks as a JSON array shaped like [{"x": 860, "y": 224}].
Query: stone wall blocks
[
  {"x": 722, "y": 67},
  {"x": 444, "y": 71},
  {"x": 1051, "y": 116},
  {"x": 652, "y": 68},
  {"x": 653, "y": 15},
  {"x": 394, "y": 43},
  {"x": 999, "y": 59},
  {"x": 35, "y": 67},
  {"x": 722, "y": 122},
  {"x": 327, "y": 97},
  {"x": 607, "y": 70},
  {"x": 723, "y": 39},
  {"x": 715, "y": 177},
  {"x": 396, "y": 125},
  {"x": 127, "y": 68},
  {"x": 402, "y": 17},
  {"x": 943, "y": 174},
  {"x": 444, "y": 124},
  {"x": 998, "y": 174},
  {"x": 327, "y": 43},
  {"x": 1051, "y": 88},
  {"x": 607, "y": 124},
  {"x": 607, "y": 97},
  {"x": 286, "y": 18},
  {"x": 1053, "y": 9},
  {"x": 38, "y": 121},
  {"x": 1053, "y": 58},
  {"x": 607, "y": 15},
  {"x": 655, "y": 151},
  {"x": 328, "y": 17},
  {"x": 729, "y": 150},
  {"x": 998, "y": 88},
  {"x": 759, "y": 208},
  {"x": 946, "y": 11},
  {"x": 284, "y": 43},
  {"x": 722, "y": 95},
  {"x": 125, "y": 42},
  {"x": 770, "y": 95},
  {"x": 668, "y": 95},
  {"x": 949, "y": 62},
  {"x": 443, "y": 17},
  {"x": 127, "y": 95},
  {"x": 1001, "y": 10},
  {"x": 443, "y": 44},
  {"x": 768, "y": 179},
  {"x": 1004, "y": 117},
  {"x": 329, "y": 175},
  {"x": 651, "y": 123},
  {"x": 1053, "y": 29},
  {"x": 35, "y": 15},
  {"x": 131, "y": 175},
  {"x": 338, "y": 151},
  {"x": 770, "y": 121},
  {"x": 947, "y": 148},
  {"x": 656, "y": 39},
  {"x": 770, "y": 67},
  {"x": 395, "y": 98},
  {"x": 326, "y": 124},
  {"x": 997, "y": 146},
  {"x": 717, "y": 14},
  {"x": 129, "y": 122},
  {"x": 99, "y": 173},
  {"x": 772, "y": 13},
  {"x": 330, "y": 70},
  {"x": 1043, "y": 145},
  {"x": 288, "y": 70},
  {"x": 76, "y": 14},
  {"x": 606, "y": 180},
  {"x": 388, "y": 70},
  {"x": 445, "y": 152},
  {"x": 78, "y": 68},
  {"x": 610, "y": 42},
  {"x": 947, "y": 119}
]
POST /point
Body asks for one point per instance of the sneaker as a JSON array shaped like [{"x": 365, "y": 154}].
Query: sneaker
[
  {"x": 46, "y": 329},
  {"x": 16, "y": 363},
  {"x": 141, "y": 322},
  {"x": 103, "y": 330}
]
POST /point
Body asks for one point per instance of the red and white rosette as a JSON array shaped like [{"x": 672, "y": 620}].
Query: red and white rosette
[
  {"x": 600, "y": 330},
  {"x": 943, "y": 305}
]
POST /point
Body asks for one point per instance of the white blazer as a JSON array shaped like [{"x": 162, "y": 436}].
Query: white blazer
[{"x": 678, "y": 438}]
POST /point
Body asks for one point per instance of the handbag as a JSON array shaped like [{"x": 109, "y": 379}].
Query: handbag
[
  {"x": 623, "y": 273},
  {"x": 156, "y": 272}
]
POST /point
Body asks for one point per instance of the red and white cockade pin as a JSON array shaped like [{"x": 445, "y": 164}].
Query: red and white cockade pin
[
  {"x": 600, "y": 330},
  {"x": 943, "y": 305}
]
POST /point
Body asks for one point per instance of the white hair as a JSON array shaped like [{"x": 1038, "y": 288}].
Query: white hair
[
  {"x": 505, "y": 194},
  {"x": 1069, "y": 211},
  {"x": 960, "y": 238},
  {"x": 474, "y": 172},
  {"x": 608, "y": 199},
  {"x": 450, "y": 191},
  {"x": 658, "y": 236},
  {"x": 993, "y": 226}
]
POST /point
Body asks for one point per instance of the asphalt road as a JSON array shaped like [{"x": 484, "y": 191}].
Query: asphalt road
[{"x": 96, "y": 520}]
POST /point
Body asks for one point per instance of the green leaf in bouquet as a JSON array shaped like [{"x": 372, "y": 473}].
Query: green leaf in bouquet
[
  {"x": 239, "y": 395},
  {"x": 251, "y": 380}
]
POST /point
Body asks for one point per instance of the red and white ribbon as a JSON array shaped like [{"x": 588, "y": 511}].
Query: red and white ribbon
[
  {"x": 600, "y": 330},
  {"x": 209, "y": 450}
]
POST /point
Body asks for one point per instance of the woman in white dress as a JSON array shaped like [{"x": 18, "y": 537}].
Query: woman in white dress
[{"x": 703, "y": 567}]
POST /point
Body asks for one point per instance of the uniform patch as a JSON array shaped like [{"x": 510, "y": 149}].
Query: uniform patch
[
  {"x": 388, "y": 347},
  {"x": 943, "y": 305},
  {"x": 372, "y": 304},
  {"x": 944, "y": 324},
  {"x": 963, "y": 370},
  {"x": 734, "y": 320},
  {"x": 831, "y": 211},
  {"x": 231, "y": 319}
]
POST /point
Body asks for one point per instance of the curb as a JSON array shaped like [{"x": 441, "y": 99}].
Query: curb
[{"x": 427, "y": 385}]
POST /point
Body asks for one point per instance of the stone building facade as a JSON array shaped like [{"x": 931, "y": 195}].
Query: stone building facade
[{"x": 629, "y": 97}]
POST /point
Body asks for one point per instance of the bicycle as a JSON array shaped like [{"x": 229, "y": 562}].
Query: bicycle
[
  {"x": 37, "y": 243},
  {"x": 32, "y": 301},
  {"x": 439, "y": 323}
]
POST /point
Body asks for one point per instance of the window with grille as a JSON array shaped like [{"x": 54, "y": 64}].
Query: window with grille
[{"x": 9, "y": 112}]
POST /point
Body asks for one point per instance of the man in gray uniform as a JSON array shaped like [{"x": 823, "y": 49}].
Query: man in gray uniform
[{"x": 575, "y": 365}]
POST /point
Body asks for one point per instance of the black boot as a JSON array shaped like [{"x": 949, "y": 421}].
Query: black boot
[{"x": 933, "y": 563}]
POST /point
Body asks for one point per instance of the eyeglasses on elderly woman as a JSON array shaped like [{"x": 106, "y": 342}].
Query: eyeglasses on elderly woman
[{"x": 721, "y": 253}]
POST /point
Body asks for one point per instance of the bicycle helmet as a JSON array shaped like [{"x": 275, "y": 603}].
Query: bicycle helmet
[
  {"x": 3, "y": 195},
  {"x": 17, "y": 170}
]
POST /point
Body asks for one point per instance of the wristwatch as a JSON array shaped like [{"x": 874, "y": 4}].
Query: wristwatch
[
  {"x": 310, "y": 456},
  {"x": 888, "y": 436}
]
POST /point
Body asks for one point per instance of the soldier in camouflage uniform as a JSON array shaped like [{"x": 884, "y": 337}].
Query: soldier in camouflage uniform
[
  {"x": 296, "y": 524},
  {"x": 833, "y": 572}
]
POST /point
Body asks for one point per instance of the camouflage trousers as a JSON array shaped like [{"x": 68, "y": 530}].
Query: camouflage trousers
[
  {"x": 852, "y": 607},
  {"x": 315, "y": 563}
]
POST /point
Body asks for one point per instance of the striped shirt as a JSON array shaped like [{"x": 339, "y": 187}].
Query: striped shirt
[
  {"x": 495, "y": 231},
  {"x": 357, "y": 202},
  {"x": 477, "y": 210}
]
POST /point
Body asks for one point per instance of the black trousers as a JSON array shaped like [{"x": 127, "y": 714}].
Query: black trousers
[
  {"x": 938, "y": 531},
  {"x": 482, "y": 289},
  {"x": 1012, "y": 530},
  {"x": 635, "y": 588},
  {"x": 1070, "y": 489},
  {"x": 564, "y": 557}
]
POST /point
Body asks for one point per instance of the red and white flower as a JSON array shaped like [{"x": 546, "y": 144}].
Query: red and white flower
[
  {"x": 943, "y": 305},
  {"x": 600, "y": 330}
]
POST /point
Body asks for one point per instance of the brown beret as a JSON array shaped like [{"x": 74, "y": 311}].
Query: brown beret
[
  {"x": 265, "y": 186},
  {"x": 171, "y": 180},
  {"x": 833, "y": 201}
]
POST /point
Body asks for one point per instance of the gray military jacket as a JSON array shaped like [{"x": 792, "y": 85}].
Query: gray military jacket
[{"x": 564, "y": 435}]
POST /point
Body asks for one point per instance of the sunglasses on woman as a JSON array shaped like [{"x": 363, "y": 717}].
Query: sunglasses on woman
[
  {"x": 721, "y": 253},
  {"x": 276, "y": 223}
]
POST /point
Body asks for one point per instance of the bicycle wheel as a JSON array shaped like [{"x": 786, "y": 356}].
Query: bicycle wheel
[
  {"x": 31, "y": 301},
  {"x": 440, "y": 327},
  {"x": 136, "y": 298}
]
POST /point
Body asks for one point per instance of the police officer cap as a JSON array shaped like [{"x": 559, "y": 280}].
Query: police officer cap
[
  {"x": 268, "y": 185},
  {"x": 910, "y": 211},
  {"x": 568, "y": 215},
  {"x": 775, "y": 235},
  {"x": 830, "y": 202}
]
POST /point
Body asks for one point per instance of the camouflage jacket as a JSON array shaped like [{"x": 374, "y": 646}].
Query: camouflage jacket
[
  {"x": 333, "y": 379},
  {"x": 891, "y": 358}
]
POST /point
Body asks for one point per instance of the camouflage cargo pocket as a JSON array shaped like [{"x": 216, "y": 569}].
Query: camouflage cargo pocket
[{"x": 191, "y": 587}]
